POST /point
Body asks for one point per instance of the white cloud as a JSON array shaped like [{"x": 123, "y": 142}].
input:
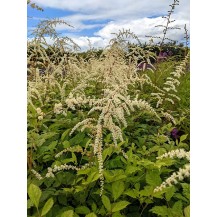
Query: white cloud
[
  {"x": 127, "y": 14},
  {"x": 96, "y": 42},
  {"x": 116, "y": 9},
  {"x": 143, "y": 27}
]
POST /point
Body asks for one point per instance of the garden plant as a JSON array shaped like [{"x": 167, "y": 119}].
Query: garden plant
[{"x": 106, "y": 138}]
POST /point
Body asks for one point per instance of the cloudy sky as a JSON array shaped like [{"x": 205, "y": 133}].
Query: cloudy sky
[{"x": 97, "y": 19}]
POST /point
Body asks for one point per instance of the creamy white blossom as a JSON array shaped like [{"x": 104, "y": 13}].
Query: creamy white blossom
[
  {"x": 58, "y": 108},
  {"x": 175, "y": 178}
]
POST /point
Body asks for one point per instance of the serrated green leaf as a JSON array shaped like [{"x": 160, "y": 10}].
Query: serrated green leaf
[
  {"x": 132, "y": 169},
  {"x": 34, "y": 193},
  {"x": 92, "y": 214},
  {"x": 153, "y": 177},
  {"x": 132, "y": 193},
  {"x": 170, "y": 192},
  {"x": 68, "y": 213},
  {"x": 161, "y": 151},
  {"x": 187, "y": 211},
  {"x": 119, "y": 205},
  {"x": 117, "y": 189},
  {"x": 186, "y": 190},
  {"x": 145, "y": 163},
  {"x": 147, "y": 191},
  {"x": 177, "y": 208},
  {"x": 92, "y": 177},
  {"x": 47, "y": 206},
  {"x": 106, "y": 202},
  {"x": 119, "y": 177},
  {"x": 180, "y": 197},
  {"x": 160, "y": 210},
  {"x": 82, "y": 210},
  {"x": 164, "y": 162}
]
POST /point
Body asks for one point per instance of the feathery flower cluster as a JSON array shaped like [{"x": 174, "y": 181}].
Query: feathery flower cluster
[
  {"x": 179, "y": 153},
  {"x": 124, "y": 154},
  {"x": 168, "y": 117},
  {"x": 171, "y": 84},
  {"x": 58, "y": 108},
  {"x": 182, "y": 67},
  {"x": 72, "y": 102},
  {"x": 113, "y": 108},
  {"x": 49, "y": 173},
  {"x": 176, "y": 176},
  {"x": 37, "y": 175},
  {"x": 142, "y": 104},
  {"x": 56, "y": 168},
  {"x": 32, "y": 91},
  {"x": 82, "y": 123},
  {"x": 40, "y": 114},
  {"x": 74, "y": 148}
]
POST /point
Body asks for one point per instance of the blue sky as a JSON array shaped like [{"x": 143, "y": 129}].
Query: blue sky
[{"x": 95, "y": 20}]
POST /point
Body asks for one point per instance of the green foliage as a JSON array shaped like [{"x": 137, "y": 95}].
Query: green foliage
[
  {"x": 65, "y": 173},
  {"x": 68, "y": 213},
  {"x": 119, "y": 206},
  {"x": 34, "y": 193},
  {"x": 47, "y": 206},
  {"x": 187, "y": 211},
  {"x": 106, "y": 203}
]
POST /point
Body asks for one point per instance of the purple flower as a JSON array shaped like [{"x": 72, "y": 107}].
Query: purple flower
[{"x": 175, "y": 133}]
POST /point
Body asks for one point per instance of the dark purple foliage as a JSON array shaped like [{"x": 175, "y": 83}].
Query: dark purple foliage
[{"x": 175, "y": 133}]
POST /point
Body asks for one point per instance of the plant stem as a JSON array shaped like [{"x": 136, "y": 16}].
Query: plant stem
[{"x": 143, "y": 209}]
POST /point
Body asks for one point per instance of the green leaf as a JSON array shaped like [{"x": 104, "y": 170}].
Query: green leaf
[
  {"x": 183, "y": 137},
  {"x": 119, "y": 205},
  {"x": 106, "y": 202},
  {"x": 29, "y": 204},
  {"x": 132, "y": 193},
  {"x": 47, "y": 206},
  {"x": 34, "y": 193},
  {"x": 164, "y": 162},
  {"x": 170, "y": 192},
  {"x": 187, "y": 211},
  {"x": 66, "y": 144},
  {"x": 82, "y": 210},
  {"x": 148, "y": 190},
  {"x": 117, "y": 214},
  {"x": 160, "y": 210},
  {"x": 132, "y": 169},
  {"x": 93, "y": 177},
  {"x": 92, "y": 214},
  {"x": 119, "y": 177},
  {"x": 107, "y": 152},
  {"x": 145, "y": 163},
  {"x": 117, "y": 189},
  {"x": 93, "y": 207},
  {"x": 65, "y": 134},
  {"x": 68, "y": 213},
  {"x": 137, "y": 186},
  {"x": 180, "y": 197},
  {"x": 153, "y": 177},
  {"x": 186, "y": 190},
  {"x": 177, "y": 208}
]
